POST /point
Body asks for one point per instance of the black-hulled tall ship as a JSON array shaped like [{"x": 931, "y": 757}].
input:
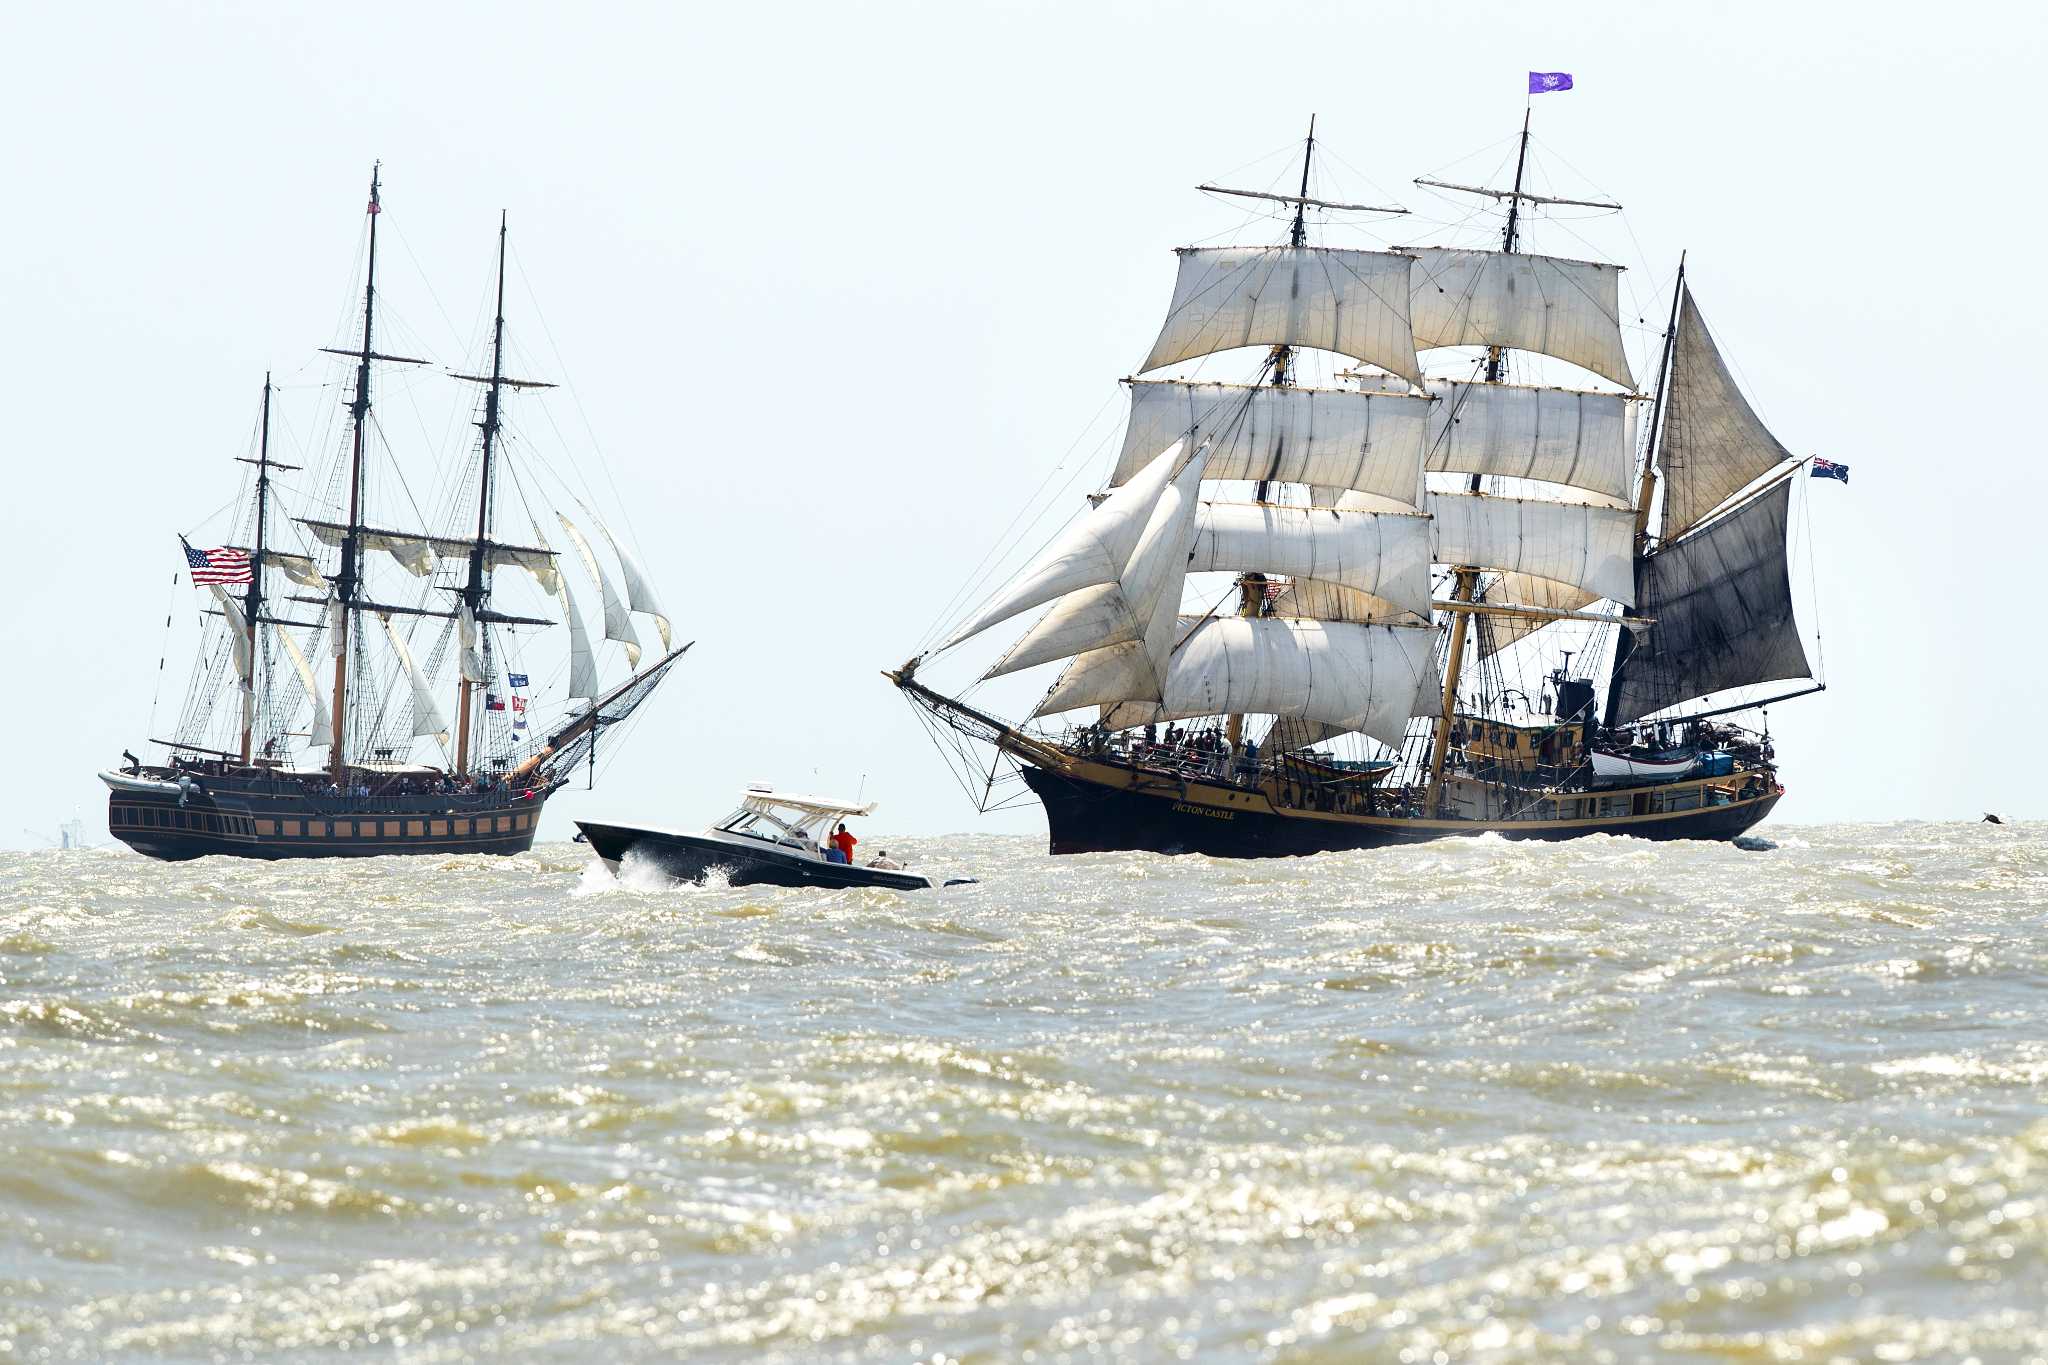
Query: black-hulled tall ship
[
  {"x": 1302, "y": 617},
  {"x": 265, "y": 763}
]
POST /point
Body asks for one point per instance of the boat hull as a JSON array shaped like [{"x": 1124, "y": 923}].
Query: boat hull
[
  {"x": 696, "y": 857},
  {"x": 1093, "y": 817},
  {"x": 276, "y": 825}
]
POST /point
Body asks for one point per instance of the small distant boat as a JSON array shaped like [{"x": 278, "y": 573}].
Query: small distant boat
[{"x": 774, "y": 839}]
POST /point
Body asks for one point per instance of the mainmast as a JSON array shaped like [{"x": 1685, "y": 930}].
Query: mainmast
[
  {"x": 347, "y": 582},
  {"x": 477, "y": 591},
  {"x": 1468, "y": 578},
  {"x": 252, "y": 602}
]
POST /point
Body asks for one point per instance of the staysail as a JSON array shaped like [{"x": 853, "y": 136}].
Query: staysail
[
  {"x": 1333, "y": 299},
  {"x": 617, "y": 624},
  {"x": 1713, "y": 445},
  {"x": 323, "y": 724}
]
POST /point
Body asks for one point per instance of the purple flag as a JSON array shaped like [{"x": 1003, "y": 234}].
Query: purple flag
[{"x": 1543, "y": 82}]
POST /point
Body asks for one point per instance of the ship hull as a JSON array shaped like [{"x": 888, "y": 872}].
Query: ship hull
[
  {"x": 1094, "y": 817},
  {"x": 696, "y": 857},
  {"x": 275, "y": 826}
]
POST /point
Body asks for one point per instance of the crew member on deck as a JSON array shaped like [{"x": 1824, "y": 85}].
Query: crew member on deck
[{"x": 844, "y": 842}]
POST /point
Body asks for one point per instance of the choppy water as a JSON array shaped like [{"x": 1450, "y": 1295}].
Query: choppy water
[{"x": 1481, "y": 1101}]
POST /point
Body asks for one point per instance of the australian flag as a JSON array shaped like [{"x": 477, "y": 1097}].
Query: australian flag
[
  {"x": 1828, "y": 469},
  {"x": 1543, "y": 82}
]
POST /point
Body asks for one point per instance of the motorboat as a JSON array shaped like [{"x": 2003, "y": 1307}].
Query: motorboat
[{"x": 774, "y": 838}]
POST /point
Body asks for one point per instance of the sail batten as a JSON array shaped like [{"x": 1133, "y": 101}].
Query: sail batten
[
  {"x": 1556, "y": 307},
  {"x": 1355, "y": 303}
]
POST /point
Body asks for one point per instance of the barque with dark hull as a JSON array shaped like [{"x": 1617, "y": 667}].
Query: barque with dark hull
[
  {"x": 1354, "y": 607},
  {"x": 293, "y": 590}
]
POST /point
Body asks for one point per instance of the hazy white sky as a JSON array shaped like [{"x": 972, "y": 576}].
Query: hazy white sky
[{"x": 838, "y": 285}]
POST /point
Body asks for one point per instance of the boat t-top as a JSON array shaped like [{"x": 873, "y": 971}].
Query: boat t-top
[{"x": 774, "y": 838}]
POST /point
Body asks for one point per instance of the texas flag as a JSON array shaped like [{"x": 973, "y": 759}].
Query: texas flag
[{"x": 1543, "y": 82}]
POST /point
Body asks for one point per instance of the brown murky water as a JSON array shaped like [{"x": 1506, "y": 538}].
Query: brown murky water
[{"x": 1604, "y": 1100}]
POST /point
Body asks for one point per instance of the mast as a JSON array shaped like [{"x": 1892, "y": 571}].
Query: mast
[
  {"x": 1646, "y": 489},
  {"x": 1468, "y": 578},
  {"x": 477, "y": 591},
  {"x": 347, "y": 582},
  {"x": 252, "y": 603}
]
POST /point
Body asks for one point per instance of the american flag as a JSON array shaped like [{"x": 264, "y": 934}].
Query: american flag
[
  {"x": 217, "y": 566},
  {"x": 1273, "y": 591}
]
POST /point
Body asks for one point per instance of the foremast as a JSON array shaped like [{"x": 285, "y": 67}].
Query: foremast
[{"x": 476, "y": 592}]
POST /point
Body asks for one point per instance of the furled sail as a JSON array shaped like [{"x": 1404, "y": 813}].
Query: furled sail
[
  {"x": 472, "y": 659},
  {"x": 323, "y": 725},
  {"x": 617, "y": 624},
  {"x": 416, "y": 554},
  {"x": 1367, "y": 678},
  {"x": 245, "y": 662},
  {"x": 426, "y": 713},
  {"x": 1134, "y": 612},
  {"x": 1556, "y": 307},
  {"x": 1721, "y": 600},
  {"x": 1713, "y": 444},
  {"x": 639, "y": 588},
  {"x": 1566, "y": 436},
  {"x": 1372, "y": 442},
  {"x": 1588, "y": 547},
  {"x": 1386, "y": 555},
  {"x": 1093, "y": 549},
  {"x": 1496, "y": 633},
  {"x": 1334, "y": 299}
]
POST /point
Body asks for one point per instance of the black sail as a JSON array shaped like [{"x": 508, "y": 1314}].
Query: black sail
[{"x": 1722, "y": 602}]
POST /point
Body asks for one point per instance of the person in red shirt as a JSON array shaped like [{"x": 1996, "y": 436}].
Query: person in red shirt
[{"x": 844, "y": 842}]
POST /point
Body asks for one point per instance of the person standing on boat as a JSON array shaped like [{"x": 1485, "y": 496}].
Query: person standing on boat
[{"x": 844, "y": 842}]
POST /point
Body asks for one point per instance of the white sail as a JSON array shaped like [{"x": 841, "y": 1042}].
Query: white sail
[
  {"x": 1496, "y": 633},
  {"x": 337, "y": 618},
  {"x": 323, "y": 725},
  {"x": 617, "y": 624},
  {"x": 1714, "y": 444},
  {"x": 582, "y": 663},
  {"x": 1334, "y": 299},
  {"x": 1145, "y": 594},
  {"x": 1586, "y": 546},
  {"x": 1092, "y": 549},
  {"x": 1356, "y": 677},
  {"x": 417, "y": 554},
  {"x": 427, "y": 721},
  {"x": 1565, "y": 436},
  {"x": 1562, "y": 308},
  {"x": 245, "y": 662},
  {"x": 1387, "y": 555},
  {"x": 1313, "y": 598},
  {"x": 1373, "y": 442},
  {"x": 472, "y": 659},
  {"x": 639, "y": 588},
  {"x": 300, "y": 569}
]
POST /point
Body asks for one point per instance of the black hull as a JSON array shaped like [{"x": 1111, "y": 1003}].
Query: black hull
[
  {"x": 1089, "y": 817},
  {"x": 273, "y": 825},
  {"x": 693, "y": 858}
]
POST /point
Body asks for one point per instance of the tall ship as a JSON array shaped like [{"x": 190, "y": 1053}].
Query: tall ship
[
  {"x": 1425, "y": 562},
  {"x": 342, "y": 629}
]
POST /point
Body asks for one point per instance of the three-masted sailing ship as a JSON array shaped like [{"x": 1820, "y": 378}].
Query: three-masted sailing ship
[
  {"x": 1302, "y": 618},
  {"x": 266, "y": 764}
]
